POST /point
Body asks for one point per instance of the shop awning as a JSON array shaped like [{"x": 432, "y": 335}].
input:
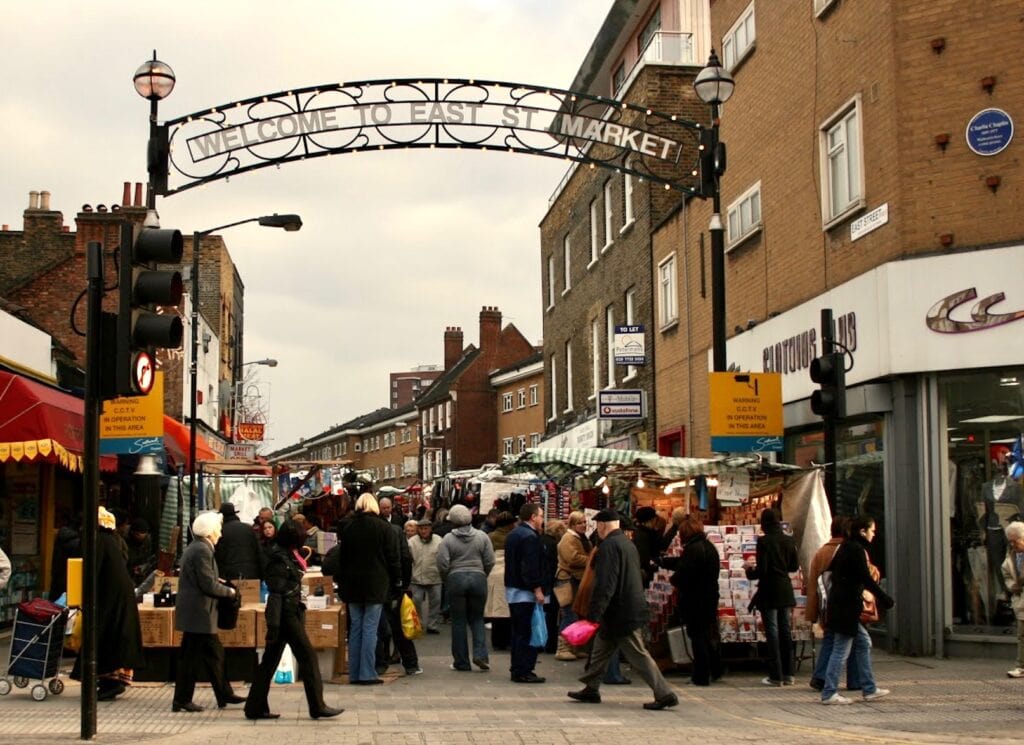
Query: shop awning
[
  {"x": 176, "y": 442},
  {"x": 39, "y": 423}
]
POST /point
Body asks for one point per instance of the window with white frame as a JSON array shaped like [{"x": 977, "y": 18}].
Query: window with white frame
[
  {"x": 567, "y": 264},
  {"x": 344, "y": 448},
  {"x": 744, "y": 215},
  {"x": 448, "y": 414},
  {"x": 356, "y": 447},
  {"x": 507, "y": 443},
  {"x": 595, "y": 240},
  {"x": 739, "y": 40},
  {"x": 607, "y": 214},
  {"x": 431, "y": 427},
  {"x": 554, "y": 386},
  {"x": 551, "y": 281},
  {"x": 609, "y": 330},
  {"x": 568, "y": 376},
  {"x": 440, "y": 416},
  {"x": 631, "y": 370},
  {"x": 534, "y": 395},
  {"x": 521, "y": 443},
  {"x": 535, "y": 439},
  {"x": 595, "y": 357},
  {"x": 506, "y": 403},
  {"x": 521, "y": 393},
  {"x": 627, "y": 200},
  {"x": 650, "y": 28},
  {"x": 668, "y": 310},
  {"x": 842, "y": 165}
]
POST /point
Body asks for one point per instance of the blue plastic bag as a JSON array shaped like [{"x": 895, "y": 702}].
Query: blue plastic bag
[{"x": 538, "y": 627}]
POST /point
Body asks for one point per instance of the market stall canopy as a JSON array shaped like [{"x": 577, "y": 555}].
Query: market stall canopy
[
  {"x": 562, "y": 461},
  {"x": 176, "y": 442},
  {"x": 42, "y": 424}
]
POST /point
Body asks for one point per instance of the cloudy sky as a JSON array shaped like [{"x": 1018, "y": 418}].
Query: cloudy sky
[{"x": 396, "y": 245}]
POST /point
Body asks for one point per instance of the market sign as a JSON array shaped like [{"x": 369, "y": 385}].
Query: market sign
[
  {"x": 134, "y": 424},
  {"x": 621, "y": 404},
  {"x": 629, "y": 345},
  {"x": 746, "y": 412},
  {"x": 250, "y": 431},
  {"x": 236, "y": 451},
  {"x": 989, "y": 132}
]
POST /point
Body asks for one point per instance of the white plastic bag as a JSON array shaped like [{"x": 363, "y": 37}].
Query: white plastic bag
[{"x": 285, "y": 668}]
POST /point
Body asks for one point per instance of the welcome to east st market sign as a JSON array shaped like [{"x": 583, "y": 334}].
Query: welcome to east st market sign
[{"x": 430, "y": 113}]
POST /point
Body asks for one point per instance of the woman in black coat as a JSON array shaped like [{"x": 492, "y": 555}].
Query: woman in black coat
[
  {"x": 850, "y": 578},
  {"x": 774, "y": 599},
  {"x": 286, "y": 625},
  {"x": 119, "y": 635},
  {"x": 696, "y": 578}
]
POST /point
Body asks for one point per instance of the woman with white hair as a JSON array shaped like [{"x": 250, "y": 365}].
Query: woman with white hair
[
  {"x": 1013, "y": 578},
  {"x": 195, "y": 615},
  {"x": 370, "y": 566}
]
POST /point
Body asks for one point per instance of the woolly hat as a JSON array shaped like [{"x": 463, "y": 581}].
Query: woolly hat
[{"x": 460, "y": 515}]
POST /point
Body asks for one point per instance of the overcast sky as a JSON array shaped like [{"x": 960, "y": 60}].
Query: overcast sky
[{"x": 396, "y": 245}]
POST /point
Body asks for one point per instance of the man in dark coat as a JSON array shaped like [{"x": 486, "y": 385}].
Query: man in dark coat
[
  {"x": 238, "y": 551},
  {"x": 195, "y": 615},
  {"x": 647, "y": 540},
  {"x": 696, "y": 578},
  {"x": 619, "y": 605},
  {"x": 525, "y": 589},
  {"x": 774, "y": 599},
  {"x": 390, "y": 627}
]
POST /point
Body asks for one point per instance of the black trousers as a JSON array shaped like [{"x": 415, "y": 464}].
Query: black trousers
[
  {"x": 196, "y": 650},
  {"x": 707, "y": 661},
  {"x": 390, "y": 629},
  {"x": 292, "y": 633}
]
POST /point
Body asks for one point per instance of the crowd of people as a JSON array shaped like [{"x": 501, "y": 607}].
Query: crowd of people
[{"x": 499, "y": 575}]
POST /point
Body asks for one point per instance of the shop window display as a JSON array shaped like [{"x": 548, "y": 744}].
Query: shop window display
[{"x": 984, "y": 417}]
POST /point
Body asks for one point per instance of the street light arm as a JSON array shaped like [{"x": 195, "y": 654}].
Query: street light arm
[{"x": 290, "y": 223}]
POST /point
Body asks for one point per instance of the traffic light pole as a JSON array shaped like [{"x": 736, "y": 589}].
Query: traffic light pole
[
  {"x": 91, "y": 476},
  {"x": 829, "y": 422}
]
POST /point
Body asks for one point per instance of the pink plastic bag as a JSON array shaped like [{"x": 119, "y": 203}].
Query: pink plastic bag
[{"x": 579, "y": 633}]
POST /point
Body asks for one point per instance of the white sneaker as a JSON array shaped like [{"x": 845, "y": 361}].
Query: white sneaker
[
  {"x": 770, "y": 682},
  {"x": 836, "y": 700},
  {"x": 879, "y": 693},
  {"x": 1017, "y": 672}
]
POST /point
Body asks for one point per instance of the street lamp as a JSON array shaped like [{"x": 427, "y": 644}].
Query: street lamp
[
  {"x": 290, "y": 223},
  {"x": 714, "y": 86},
  {"x": 154, "y": 80}
]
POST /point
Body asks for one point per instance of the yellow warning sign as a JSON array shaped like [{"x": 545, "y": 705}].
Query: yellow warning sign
[{"x": 746, "y": 404}]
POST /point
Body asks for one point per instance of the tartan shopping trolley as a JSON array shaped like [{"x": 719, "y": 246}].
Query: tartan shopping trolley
[{"x": 37, "y": 644}]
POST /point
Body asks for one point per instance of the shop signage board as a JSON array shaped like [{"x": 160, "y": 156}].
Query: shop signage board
[
  {"x": 134, "y": 425},
  {"x": 250, "y": 431},
  {"x": 236, "y": 451},
  {"x": 629, "y": 345},
  {"x": 620, "y": 404},
  {"x": 746, "y": 412},
  {"x": 989, "y": 132},
  {"x": 581, "y": 436}
]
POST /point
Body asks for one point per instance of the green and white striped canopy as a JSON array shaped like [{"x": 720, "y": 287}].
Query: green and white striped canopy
[{"x": 563, "y": 460}]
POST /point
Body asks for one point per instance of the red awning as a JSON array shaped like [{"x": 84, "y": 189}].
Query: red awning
[
  {"x": 176, "y": 442},
  {"x": 39, "y": 423}
]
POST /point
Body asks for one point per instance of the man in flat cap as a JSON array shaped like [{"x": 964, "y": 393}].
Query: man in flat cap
[
  {"x": 618, "y": 604},
  {"x": 426, "y": 577}
]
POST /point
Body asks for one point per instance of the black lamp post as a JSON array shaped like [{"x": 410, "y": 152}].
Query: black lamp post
[
  {"x": 154, "y": 80},
  {"x": 290, "y": 223},
  {"x": 714, "y": 86}
]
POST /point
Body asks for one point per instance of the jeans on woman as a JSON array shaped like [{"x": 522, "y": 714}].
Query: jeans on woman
[
  {"x": 467, "y": 595},
  {"x": 842, "y": 647},
  {"x": 362, "y": 640},
  {"x": 821, "y": 664},
  {"x": 567, "y": 616},
  {"x": 780, "y": 642}
]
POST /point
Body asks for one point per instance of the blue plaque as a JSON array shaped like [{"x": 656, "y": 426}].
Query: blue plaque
[{"x": 989, "y": 132}]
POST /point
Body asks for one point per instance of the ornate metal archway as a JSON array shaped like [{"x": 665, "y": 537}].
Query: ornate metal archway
[{"x": 433, "y": 113}]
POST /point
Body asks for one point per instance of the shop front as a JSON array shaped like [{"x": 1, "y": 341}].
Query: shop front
[{"x": 934, "y": 407}]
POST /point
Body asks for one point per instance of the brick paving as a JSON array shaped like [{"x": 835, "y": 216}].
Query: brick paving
[{"x": 942, "y": 701}]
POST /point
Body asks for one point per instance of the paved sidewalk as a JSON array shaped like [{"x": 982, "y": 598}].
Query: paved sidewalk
[{"x": 940, "y": 701}]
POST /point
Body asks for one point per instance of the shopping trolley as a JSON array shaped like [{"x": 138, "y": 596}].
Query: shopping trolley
[{"x": 36, "y": 648}]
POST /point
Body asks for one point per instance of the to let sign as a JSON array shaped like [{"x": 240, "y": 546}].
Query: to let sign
[
  {"x": 746, "y": 412},
  {"x": 624, "y": 404},
  {"x": 629, "y": 347}
]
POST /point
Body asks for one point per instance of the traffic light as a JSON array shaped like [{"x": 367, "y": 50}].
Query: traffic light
[
  {"x": 143, "y": 288},
  {"x": 829, "y": 372}
]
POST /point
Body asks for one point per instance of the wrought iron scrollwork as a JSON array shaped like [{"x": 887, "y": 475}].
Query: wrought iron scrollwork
[{"x": 431, "y": 113}]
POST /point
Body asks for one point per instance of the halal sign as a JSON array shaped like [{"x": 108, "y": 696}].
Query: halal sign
[
  {"x": 143, "y": 371},
  {"x": 250, "y": 431}
]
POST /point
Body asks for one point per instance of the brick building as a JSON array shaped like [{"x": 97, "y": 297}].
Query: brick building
[
  {"x": 596, "y": 258},
  {"x": 519, "y": 393},
  {"x": 870, "y": 172},
  {"x": 405, "y": 387}
]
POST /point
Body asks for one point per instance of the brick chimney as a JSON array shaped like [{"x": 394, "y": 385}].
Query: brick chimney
[
  {"x": 452, "y": 346},
  {"x": 490, "y": 328}
]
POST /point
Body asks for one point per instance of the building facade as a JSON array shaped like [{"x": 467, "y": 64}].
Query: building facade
[
  {"x": 405, "y": 387},
  {"x": 519, "y": 390},
  {"x": 870, "y": 172}
]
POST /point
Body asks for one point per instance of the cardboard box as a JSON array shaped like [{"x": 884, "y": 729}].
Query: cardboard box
[
  {"x": 326, "y": 628},
  {"x": 313, "y": 581},
  {"x": 249, "y": 589},
  {"x": 244, "y": 633},
  {"x": 157, "y": 626}
]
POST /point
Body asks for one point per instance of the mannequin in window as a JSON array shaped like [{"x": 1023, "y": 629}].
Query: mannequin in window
[{"x": 999, "y": 490}]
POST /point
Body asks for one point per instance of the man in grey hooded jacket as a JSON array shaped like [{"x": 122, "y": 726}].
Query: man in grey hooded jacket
[{"x": 464, "y": 560}]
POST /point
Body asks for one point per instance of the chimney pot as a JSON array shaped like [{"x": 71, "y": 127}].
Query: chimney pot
[
  {"x": 126, "y": 193},
  {"x": 86, "y": 208},
  {"x": 5, "y": 227},
  {"x": 44, "y": 200},
  {"x": 33, "y": 200},
  {"x": 101, "y": 208},
  {"x": 138, "y": 194},
  {"x": 65, "y": 228}
]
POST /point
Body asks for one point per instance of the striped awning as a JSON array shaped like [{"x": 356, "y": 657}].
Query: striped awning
[{"x": 559, "y": 461}]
